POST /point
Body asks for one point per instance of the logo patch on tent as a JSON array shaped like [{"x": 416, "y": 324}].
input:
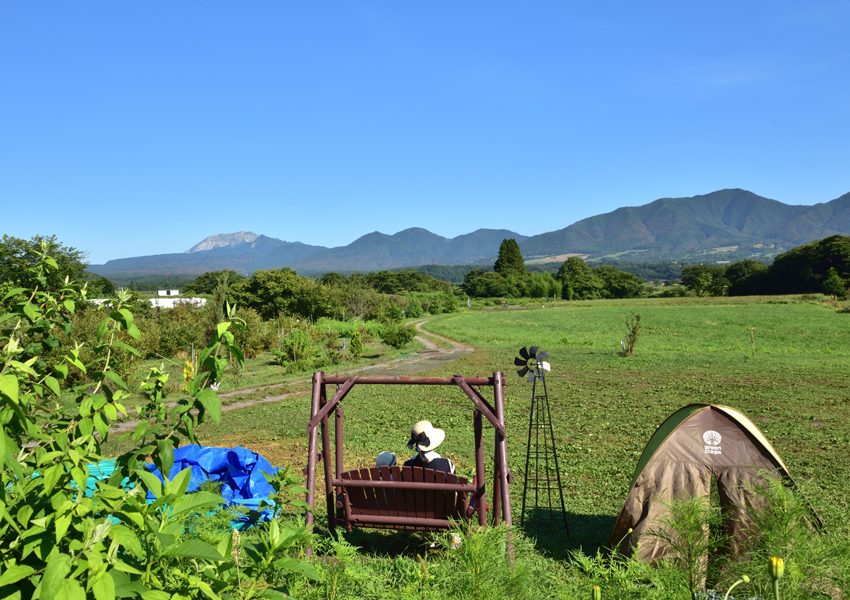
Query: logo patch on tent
[{"x": 712, "y": 442}]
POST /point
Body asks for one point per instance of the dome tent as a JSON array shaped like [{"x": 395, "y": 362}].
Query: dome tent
[{"x": 695, "y": 443}]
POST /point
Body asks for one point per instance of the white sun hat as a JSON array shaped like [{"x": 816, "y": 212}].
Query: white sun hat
[{"x": 425, "y": 436}]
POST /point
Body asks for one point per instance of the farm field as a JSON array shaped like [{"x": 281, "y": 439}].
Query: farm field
[{"x": 605, "y": 406}]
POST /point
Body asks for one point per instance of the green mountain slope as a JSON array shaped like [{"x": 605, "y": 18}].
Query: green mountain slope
[
  {"x": 682, "y": 226},
  {"x": 411, "y": 247}
]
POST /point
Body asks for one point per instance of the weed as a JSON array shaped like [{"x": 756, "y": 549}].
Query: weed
[
  {"x": 690, "y": 531},
  {"x": 633, "y": 331}
]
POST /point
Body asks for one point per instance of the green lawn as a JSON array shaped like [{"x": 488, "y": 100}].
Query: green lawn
[{"x": 605, "y": 406}]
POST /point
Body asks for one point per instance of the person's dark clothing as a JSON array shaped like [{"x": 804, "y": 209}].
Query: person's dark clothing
[{"x": 437, "y": 464}]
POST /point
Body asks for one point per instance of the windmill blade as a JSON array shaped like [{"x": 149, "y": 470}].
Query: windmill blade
[
  {"x": 545, "y": 366},
  {"x": 524, "y": 353},
  {"x": 533, "y": 350},
  {"x": 521, "y": 372},
  {"x": 531, "y": 377},
  {"x": 520, "y": 362},
  {"x": 542, "y": 355}
]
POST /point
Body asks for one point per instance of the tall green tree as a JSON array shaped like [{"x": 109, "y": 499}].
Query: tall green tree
[
  {"x": 705, "y": 280},
  {"x": 747, "y": 278},
  {"x": 19, "y": 259},
  {"x": 100, "y": 287},
  {"x": 577, "y": 276},
  {"x": 833, "y": 284},
  {"x": 276, "y": 293},
  {"x": 618, "y": 284},
  {"x": 804, "y": 268},
  {"x": 510, "y": 261},
  {"x": 208, "y": 282}
]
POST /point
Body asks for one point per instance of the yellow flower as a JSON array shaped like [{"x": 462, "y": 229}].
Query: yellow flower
[
  {"x": 777, "y": 567},
  {"x": 597, "y": 592}
]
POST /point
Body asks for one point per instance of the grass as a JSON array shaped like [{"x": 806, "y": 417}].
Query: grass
[{"x": 605, "y": 406}]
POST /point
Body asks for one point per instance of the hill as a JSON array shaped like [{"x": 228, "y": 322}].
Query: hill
[
  {"x": 727, "y": 225},
  {"x": 409, "y": 248},
  {"x": 245, "y": 252},
  {"x": 732, "y": 223}
]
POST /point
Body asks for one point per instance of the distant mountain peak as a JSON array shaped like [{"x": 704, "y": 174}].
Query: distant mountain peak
[{"x": 221, "y": 240}]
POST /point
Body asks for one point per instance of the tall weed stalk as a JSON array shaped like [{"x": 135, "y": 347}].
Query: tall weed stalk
[{"x": 691, "y": 531}]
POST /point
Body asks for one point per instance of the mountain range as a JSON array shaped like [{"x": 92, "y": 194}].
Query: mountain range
[
  {"x": 246, "y": 251},
  {"x": 727, "y": 224}
]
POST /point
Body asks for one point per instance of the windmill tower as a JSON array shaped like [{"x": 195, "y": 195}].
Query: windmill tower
[{"x": 542, "y": 476}]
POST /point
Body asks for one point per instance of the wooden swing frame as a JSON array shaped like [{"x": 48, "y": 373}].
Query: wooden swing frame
[{"x": 321, "y": 408}]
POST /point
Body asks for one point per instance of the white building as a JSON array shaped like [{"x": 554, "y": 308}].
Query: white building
[
  {"x": 170, "y": 302},
  {"x": 168, "y": 292}
]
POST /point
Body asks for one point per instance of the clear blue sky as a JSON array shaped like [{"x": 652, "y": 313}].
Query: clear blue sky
[{"x": 131, "y": 128}]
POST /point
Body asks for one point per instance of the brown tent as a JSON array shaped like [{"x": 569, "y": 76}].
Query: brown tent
[{"x": 695, "y": 443}]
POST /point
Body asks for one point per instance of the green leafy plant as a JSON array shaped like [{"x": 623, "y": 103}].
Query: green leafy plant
[
  {"x": 297, "y": 344},
  {"x": 62, "y": 540},
  {"x": 414, "y": 308},
  {"x": 392, "y": 313},
  {"x": 355, "y": 347},
  {"x": 633, "y": 331},
  {"x": 398, "y": 336},
  {"x": 690, "y": 529}
]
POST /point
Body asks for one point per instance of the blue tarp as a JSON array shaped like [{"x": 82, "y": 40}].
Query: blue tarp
[{"x": 238, "y": 470}]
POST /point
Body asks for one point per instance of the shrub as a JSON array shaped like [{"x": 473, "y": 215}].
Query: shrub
[
  {"x": 392, "y": 313},
  {"x": 257, "y": 335},
  {"x": 449, "y": 301},
  {"x": 414, "y": 308},
  {"x": 178, "y": 329},
  {"x": 296, "y": 346},
  {"x": 816, "y": 563},
  {"x": 398, "y": 336},
  {"x": 355, "y": 348}
]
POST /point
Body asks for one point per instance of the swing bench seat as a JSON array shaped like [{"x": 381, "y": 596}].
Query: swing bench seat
[{"x": 395, "y": 497}]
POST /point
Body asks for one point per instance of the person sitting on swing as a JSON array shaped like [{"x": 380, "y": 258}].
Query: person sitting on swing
[{"x": 424, "y": 437}]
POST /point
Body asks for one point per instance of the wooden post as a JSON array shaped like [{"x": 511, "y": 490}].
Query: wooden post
[
  {"x": 338, "y": 446},
  {"x": 480, "y": 474},
  {"x": 312, "y": 451},
  {"x": 502, "y": 449},
  {"x": 326, "y": 462},
  {"x": 497, "y": 482}
]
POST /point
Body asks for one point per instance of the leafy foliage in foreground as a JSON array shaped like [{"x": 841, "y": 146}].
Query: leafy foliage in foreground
[{"x": 60, "y": 540}]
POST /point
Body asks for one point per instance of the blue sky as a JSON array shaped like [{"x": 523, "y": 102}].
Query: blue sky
[{"x": 131, "y": 128}]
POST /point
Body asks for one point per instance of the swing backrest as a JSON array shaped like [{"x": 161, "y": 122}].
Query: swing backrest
[{"x": 401, "y": 498}]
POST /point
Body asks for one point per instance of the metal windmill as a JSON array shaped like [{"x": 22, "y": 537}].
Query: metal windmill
[{"x": 541, "y": 457}]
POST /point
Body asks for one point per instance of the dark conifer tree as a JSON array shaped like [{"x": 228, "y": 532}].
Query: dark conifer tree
[{"x": 510, "y": 261}]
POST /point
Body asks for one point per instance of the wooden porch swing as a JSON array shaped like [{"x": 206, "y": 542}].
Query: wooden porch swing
[{"x": 406, "y": 497}]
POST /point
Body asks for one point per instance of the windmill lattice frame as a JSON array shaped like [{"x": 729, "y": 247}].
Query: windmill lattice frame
[{"x": 532, "y": 362}]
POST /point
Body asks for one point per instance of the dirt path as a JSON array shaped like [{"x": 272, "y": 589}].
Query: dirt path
[{"x": 432, "y": 357}]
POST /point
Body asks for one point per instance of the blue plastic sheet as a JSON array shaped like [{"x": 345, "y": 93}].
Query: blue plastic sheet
[{"x": 238, "y": 470}]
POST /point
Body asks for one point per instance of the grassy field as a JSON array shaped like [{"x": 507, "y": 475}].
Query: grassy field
[
  {"x": 259, "y": 374},
  {"x": 605, "y": 405}
]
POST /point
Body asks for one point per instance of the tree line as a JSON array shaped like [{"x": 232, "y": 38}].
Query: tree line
[
  {"x": 822, "y": 266},
  {"x": 575, "y": 279}
]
